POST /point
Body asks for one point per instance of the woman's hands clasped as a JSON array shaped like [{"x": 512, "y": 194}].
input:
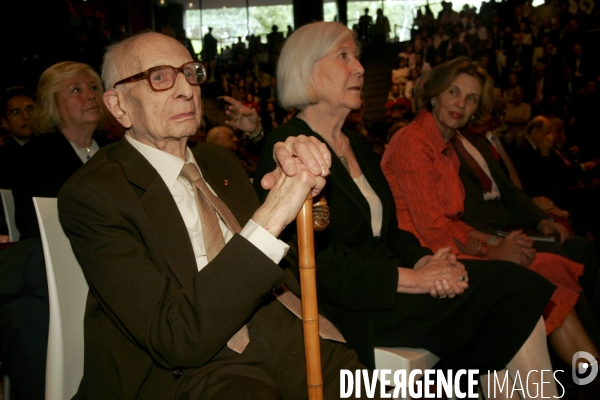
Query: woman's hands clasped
[{"x": 440, "y": 275}]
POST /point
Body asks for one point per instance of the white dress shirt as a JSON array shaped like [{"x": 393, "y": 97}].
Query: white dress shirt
[
  {"x": 85, "y": 153},
  {"x": 374, "y": 204},
  {"x": 169, "y": 167},
  {"x": 495, "y": 193}
]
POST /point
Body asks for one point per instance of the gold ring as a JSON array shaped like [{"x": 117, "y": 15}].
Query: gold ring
[{"x": 463, "y": 278}]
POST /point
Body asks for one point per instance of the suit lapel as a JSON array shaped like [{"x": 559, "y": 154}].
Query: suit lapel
[
  {"x": 344, "y": 182},
  {"x": 161, "y": 212}
]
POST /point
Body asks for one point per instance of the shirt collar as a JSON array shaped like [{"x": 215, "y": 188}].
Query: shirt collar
[
  {"x": 531, "y": 143},
  {"x": 167, "y": 165},
  {"x": 20, "y": 141},
  {"x": 427, "y": 123}
]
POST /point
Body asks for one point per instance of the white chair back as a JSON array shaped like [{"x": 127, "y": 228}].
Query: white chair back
[
  {"x": 67, "y": 292},
  {"x": 404, "y": 358},
  {"x": 8, "y": 203}
]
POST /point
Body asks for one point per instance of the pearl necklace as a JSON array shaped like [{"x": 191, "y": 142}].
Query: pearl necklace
[{"x": 341, "y": 156}]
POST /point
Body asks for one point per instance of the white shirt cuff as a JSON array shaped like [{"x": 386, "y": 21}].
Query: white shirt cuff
[{"x": 273, "y": 248}]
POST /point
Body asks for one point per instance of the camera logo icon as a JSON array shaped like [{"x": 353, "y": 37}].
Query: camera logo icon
[{"x": 585, "y": 372}]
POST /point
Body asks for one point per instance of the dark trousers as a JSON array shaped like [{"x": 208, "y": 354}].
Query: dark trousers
[
  {"x": 271, "y": 367},
  {"x": 24, "y": 318}
]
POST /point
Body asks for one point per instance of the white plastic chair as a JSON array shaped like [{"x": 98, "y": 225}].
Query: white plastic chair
[
  {"x": 8, "y": 203},
  {"x": 403, "y": 358},
  {"x": 67, "y": 293},
  {"x": 5, "y": 388}
]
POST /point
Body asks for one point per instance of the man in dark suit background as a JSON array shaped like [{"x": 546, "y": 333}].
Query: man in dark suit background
[
  {"x": 452, "y": 48},
  {"x": 16, "y": 105},
  {"x": 513, "y": 208},
  {"x": 160, "y": 312}
]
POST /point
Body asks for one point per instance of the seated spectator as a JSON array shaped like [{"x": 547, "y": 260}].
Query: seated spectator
[
  {"x": 517, "y": 116},
  {"x": 256, "y": 91},
  {"x": 546, "y": 54},
  {"x": 538, "y": 89},
  {"x": 513, "y": 208},
  {"x": 400, "y": 73},
  {"x": 269, "y": 92},
  {"x": 250, "y": 102},
  {"x": 519, "y": 57},
  {"x": 439, "y": 36},
  {"x": 398, "y": 109},
  {"x": 239, "y": 91},
  {"x": 583, "y": 64},
  {"x": 272, "y": 116},
  {"x": 479, "y": 30},
  {"x": 425, "y": 155},
  {"x": 543, "y": 174},
  {"x": 224, "y": 137},
  {"x": 67, "y": 114},
  {"x": 420, "y": 64},
  {"x": 525, "y": 32},
  {"x": 362, "y": 250},
  {"x": 171, "y": 282},
  {"x": 16, "y": 107},
  {"x": 513, "y": 83},
  {"x": 451, "y": 48},
  {"x": 409, "y": 54},
  {"x": 409, "y": 88},
  {"x": 394, "y": 94}
]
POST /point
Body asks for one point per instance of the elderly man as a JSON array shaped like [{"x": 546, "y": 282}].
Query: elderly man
[
  {"x": 183, "y": 301},
  {"x": 224, "y": 137}
]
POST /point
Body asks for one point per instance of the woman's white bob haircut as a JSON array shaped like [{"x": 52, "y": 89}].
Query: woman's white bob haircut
[{"x": 301, "y": 51}]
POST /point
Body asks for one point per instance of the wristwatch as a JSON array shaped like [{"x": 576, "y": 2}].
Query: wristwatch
[{"x": 260, "y": 133}]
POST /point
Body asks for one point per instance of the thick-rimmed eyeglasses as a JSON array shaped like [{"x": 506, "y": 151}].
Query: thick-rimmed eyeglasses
[
  {"x": 17, "y": 111},
  {"x": 164, "y": 77}
]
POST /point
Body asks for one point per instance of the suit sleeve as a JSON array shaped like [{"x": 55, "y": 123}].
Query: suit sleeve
[
  {"x": 523, "y": 210},
  {"x": 179, "y": 324}
]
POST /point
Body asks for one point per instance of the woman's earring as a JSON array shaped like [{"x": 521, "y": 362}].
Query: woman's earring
[
  {"x": 432, "y": 104},
  {"x": 472, "y": 117}
]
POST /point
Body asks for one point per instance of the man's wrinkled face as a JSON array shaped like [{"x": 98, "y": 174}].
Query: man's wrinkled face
[{"x": 159, "y": 116}]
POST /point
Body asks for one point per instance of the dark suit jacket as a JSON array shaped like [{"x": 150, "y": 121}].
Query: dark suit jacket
[
  {"x": 542, "y": 176},
  {"x": 514, "y": 208},
  {"x": 10, "y": 160},
  {"x": 149, "y": 310},
  {"x": 456, "y": 50},
  {"x": 357, "y": 273},
  {"x": 47, "y": 162}
]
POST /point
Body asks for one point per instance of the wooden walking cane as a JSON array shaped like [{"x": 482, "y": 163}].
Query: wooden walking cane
[{"x": 310, "y": 310}]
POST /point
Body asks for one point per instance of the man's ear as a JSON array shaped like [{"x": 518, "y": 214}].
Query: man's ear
[
  {"x": 113, "y": 103},
  {"x": 4, "y": 123}
]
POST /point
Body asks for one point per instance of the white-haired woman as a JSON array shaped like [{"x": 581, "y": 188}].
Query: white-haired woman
[
  {"x": 68, "y": 111},
  {"x": 375, "y": 281}
]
